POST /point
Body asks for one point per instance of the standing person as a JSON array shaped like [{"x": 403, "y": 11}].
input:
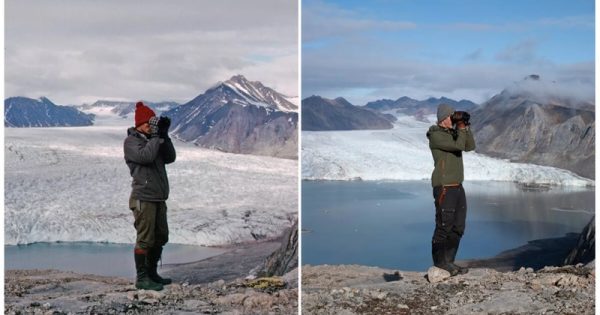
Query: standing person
[
  {"x": 147, "y": 149},
  {"x": 447, "y": 142}
]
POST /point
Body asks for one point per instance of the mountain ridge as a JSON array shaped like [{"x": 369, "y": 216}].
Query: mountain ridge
[
  {"x": 409, "y": 106},
  {"x": 550, "y": 130},
  {"x": 319, "y": 113},
  {"x": 23, "y": 112},
  {"x": 238, "y": 116},
  {"x": 125, "y": 108}
]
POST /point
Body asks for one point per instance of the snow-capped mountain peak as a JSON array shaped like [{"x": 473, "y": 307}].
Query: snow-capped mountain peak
[
  {"x": 239, "y": 116},
  {"x": 255, "y": 93}
]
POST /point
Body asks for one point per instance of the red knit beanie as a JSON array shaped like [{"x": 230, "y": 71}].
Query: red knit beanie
[{"x": 143, "y": 114}]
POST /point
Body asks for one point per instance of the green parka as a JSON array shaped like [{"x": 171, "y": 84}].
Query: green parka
[{"x": 447, "y": 154}]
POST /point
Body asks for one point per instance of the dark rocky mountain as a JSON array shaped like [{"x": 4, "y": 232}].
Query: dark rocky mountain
[
  {"x": 383, "y": 104},
  {"x": 27, "y": 112},
  {"x": 285, "y": 258},
  {"x": 124, "y": 109},
  {"x": 408, "y": 106},
  {"x": 320, "y": 113},
  {"x": 584, "y": 250},
  {"x": 239, "y": 116},
  {"x": 542, "y": 129}
]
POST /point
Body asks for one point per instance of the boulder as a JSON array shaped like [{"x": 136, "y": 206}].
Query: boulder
[{"x": 435, "y": 274}]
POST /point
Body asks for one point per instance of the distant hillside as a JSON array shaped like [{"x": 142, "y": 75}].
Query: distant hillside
[
  {"x": 408, "y": 106},
  {"x": 528, "y": 127},
  {"x": 124, "y": 109},
  {"x": 319, "y": 113},
  {"x": 27, "y": 112}
]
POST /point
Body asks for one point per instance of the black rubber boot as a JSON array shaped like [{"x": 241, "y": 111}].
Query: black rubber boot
[
  {"x": 438, "y": 251},
  {"x": 451, "y": 249},
  {"x": 143, "y": 280},
  {"x": 154, "y": 255}
]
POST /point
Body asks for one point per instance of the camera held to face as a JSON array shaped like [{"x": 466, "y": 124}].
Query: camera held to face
[{"x": 460, "y": 116}]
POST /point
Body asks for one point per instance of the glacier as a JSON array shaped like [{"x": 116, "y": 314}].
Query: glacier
[
  {"x": 72, "y": 184},
  {"x": 402, "y": 153}
]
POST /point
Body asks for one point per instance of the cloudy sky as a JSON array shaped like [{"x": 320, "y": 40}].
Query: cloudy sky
[
  {"x": 467, "y": 49},
  {"x": 76, "y": 51}
]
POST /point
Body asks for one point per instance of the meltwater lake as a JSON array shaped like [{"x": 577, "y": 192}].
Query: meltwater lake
[
  {"x": 105, "y": 259},
  {"x": 390, "y": 224}
]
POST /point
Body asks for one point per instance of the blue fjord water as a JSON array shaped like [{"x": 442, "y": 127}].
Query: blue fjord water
[
  {"x": 390, "y": 224},
  {"x": 105, "y": 259}
]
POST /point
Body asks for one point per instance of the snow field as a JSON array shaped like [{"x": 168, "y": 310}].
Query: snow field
[
  {"x": 72, "y": 184},
  {"x": 402, "y": 153}
]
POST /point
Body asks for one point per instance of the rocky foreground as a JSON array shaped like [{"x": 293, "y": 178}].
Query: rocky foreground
[
  {"x": 352, "y": 289},
  {"x": 58, "y": 292},
  {"x": 258, "y": 278}
]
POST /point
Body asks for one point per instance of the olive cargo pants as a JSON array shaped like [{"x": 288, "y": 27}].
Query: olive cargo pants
[{"x": 150, "y": 223}]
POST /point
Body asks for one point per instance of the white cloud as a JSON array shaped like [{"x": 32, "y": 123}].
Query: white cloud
[
  {"x": 77, "y": 51},
  {"x": 553, "y": 87},
  {"x": 327, "y": 75},
  {"x": 326, "y": 20},
  {"x": 343, "y": 59}
]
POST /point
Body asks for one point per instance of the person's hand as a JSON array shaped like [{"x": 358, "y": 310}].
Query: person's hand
[
  {"x": 163, "y": 126},
  {"x": 461, "y": 125},
  {"x": 154, "y": 128},
  {"x": 164, "y": 122}
]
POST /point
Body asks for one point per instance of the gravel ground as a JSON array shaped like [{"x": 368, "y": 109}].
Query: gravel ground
[{"x": 352, "y": 289}]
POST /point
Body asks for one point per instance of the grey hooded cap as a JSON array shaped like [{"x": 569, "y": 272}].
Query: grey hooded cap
[{"x": 443, "y": 111}]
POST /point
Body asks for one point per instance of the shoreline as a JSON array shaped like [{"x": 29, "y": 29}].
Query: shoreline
[
  {"x": 535, "y": 254},
  {"x": 524, "y": 185},
  {"x": 225, "y": 246},
  {"x": 249, "y": 252},
  {"x": 237, "y": 262},
  {"x": 212, "y": 285},
  {"x": 570, "y": 289}
]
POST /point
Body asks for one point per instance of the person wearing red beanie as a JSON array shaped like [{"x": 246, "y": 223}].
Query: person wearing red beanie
[
  {"x": 148, "y": 149},
  {"x": 143, "y": 114}
]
